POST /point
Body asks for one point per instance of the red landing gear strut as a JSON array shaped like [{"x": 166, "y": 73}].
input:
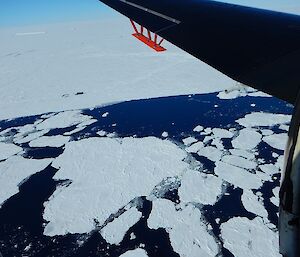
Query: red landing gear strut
[{"x": 147, "y": 39}]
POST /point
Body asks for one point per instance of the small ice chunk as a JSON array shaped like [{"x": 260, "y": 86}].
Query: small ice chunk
[
  {"x": 51, "y": 141},
  {"x": 248, "y": 238},
  {"x": 115, "y": 231},
  {"x": 277, "y": 141},
  {"x": 229, "y": 95},
  {"x": 237, "y": 176},
  {"x": 253, "y": 203},
  {"x": 132, "y": 236},
  {"x": 102, "y": 133},
  {"x": 247, "y": 139},
  {"x": 259, "y": 94},
  {"x": 104, "y": 115},
  {"x": 284, "y": 127},
  {"x": 135, "y": 253},
  {"x": 222, "y": 133},
  {"x": 165, "y": 134},
  {"x": 211, "y": 153},
  {"x": 199, "y": 188},
  {"x": 7, "y": 150},
  {"x": 275, "y": 155},
  {"x": 260, "y": 119},
  {"x": 267, "y": 132},
  {"x": 189, "y": 140},
  {"x": 239, "y": 162},
  {"x": 198, "y": 128}
]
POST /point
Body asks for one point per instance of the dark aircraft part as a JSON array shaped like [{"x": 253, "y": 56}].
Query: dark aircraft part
[
  {"x": 255, "y": 47},
  {"x": 150, "y": 40},
  {"x": 258, "y": 48}
]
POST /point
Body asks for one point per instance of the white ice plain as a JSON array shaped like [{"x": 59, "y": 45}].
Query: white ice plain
[{"x": 86, "y": 64}]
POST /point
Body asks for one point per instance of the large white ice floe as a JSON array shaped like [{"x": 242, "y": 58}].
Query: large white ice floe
[
  {"x": 247, "y": 139},
  {"x": 52, "y": 141},
  {"x": 222, "y": 133},
  {"x": 210, "y": 152},
  {"x": 188, "y": 234},
  {"x": 135, "y": 253},
  {"x": 63, "y": 120},
  {"x": 239, "y": 161},
  {"x": 7, "y": 150},
  {"x": 277, "y": 141},
  {"x": 22, "y": 138},
  {"x": 261, "y": 119},
  {"x": 200, "y": 188},
  {"x": 254, "y": 203},
  {"x": 237, "y": 176},
  {"x": 248, "y": 238},
  {"x": 106, "y": 174},
  {"x": 16, "y": 169},
  {"x": 115, "y": 231}
]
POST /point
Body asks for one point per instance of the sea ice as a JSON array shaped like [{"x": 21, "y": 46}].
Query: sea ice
[
  {"x": 197, "y": 187},
  {"x": 211, "y": 153},
  {"x": 135, "y": 253},
  {"x": 16, "y": 169},
  {"x": 7, "y": 150},
  {"x": 222, "y": 133},
  {"x": 237, "y": 176},
  {"x": 198, "y": 128},
  {"x": 106, "y": 175},
  {"x": 260, "y": 119},
  {"x": 115, "y": 231},
  {"x": 52, "y": 141},
  {"x": 239, "y": 162},
  {"x": 189, "y": 140},
  {"x": 248, "y": 238},
  {"x": 277, "y": 141},
  {"x": 194, "y": 148},
  {"x": 63, "y": 120},
  {"x": 247, "y": 139},
  {"x": 253, "y": 203},
  {"x": 188, "y": 234}
]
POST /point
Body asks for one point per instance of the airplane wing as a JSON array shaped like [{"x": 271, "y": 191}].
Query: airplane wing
[{"x": 256, "y": 47}]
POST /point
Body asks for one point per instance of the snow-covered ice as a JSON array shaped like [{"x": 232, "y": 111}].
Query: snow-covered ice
[
  {"x": 277, "y": 141},
  {"x": 211, "y": 153},
  {"x": 189, "y": 140},
  {"x": 63, "y": 120},
  {"x": 239, "y": 162},
  {"x": 237, "y": 176},
  {"x": 188, "y": 234},
  {"x": 194, "y": 148},
  {"x": 260, "y": 119},
  {"x": 16, "y": 169},
  {"x": 197, "y": 187},
  {"x": 52, "y": 141},
  {"x": 135, "y": 253},
  {"x": 89, "y": 55},
  {"x": 7, "y": 150},
  {"x": 198, "y": 128},
  {"x": 254, "y": 204},
  {"x": 248, "y": 238},
  {"x": 222, "y": 133},
  {"x": 115, "y": 231},
  {"x": 247, "y": 139},
  {"x": 106, "y": 174}
]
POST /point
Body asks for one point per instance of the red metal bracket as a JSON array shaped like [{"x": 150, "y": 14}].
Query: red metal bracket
[{"x": 147, "y": 39}]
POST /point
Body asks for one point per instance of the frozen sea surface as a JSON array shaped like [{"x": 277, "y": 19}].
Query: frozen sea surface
[{"x": 158, "y": 177}]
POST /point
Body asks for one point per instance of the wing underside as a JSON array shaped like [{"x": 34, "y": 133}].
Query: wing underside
[{"x": 258, "y": 48}]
